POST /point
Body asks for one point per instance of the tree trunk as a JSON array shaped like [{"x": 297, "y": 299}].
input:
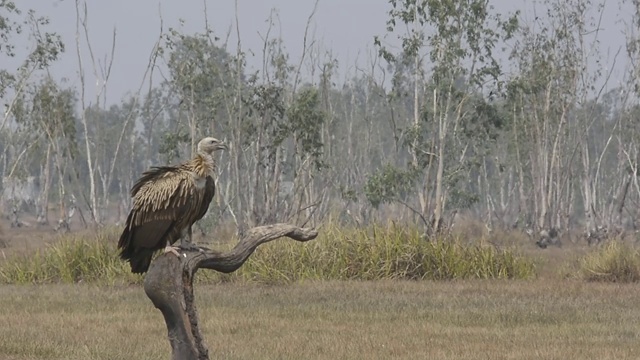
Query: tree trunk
[
  {"x": 169, "y": 284},
  {"x": 61, "y": 166},
  {"x": 43, "y": 211}
]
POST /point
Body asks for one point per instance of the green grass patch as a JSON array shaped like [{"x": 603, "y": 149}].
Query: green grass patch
[
  {"x": 616, "y": 261},
  {"x": 381, "y": 252},
  {"x": 543, "y": 319},
  {"x": 372, "y": 253},
  {"x": 71, "y": 259}
]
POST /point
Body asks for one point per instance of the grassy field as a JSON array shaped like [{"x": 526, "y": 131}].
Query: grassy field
[
  {"x": 70, "y": 297},
  {"x": 470, "y": 319}
]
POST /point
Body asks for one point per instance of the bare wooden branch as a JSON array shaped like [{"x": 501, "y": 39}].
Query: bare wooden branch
[{"x": 169, "y": 284}]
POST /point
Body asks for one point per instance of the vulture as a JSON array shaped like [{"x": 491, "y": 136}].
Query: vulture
[{"x": 167, "y": 201}]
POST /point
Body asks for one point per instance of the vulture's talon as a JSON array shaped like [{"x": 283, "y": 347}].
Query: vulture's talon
[
  {"x": 160, "y": 197},
  {"x": 172, "y": 249}
]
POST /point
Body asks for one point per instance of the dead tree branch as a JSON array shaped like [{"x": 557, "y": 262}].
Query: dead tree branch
[{"x": 169, "y": 284}]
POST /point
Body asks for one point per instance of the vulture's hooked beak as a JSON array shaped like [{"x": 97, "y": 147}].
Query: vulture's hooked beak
[{"x": 222, "y": 146}]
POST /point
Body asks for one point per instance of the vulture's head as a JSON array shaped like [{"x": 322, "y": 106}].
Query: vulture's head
[{"x": 209, "y": 145}]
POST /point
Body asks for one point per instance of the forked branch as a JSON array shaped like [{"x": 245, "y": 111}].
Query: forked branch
[{"x": 169, "y": 283}]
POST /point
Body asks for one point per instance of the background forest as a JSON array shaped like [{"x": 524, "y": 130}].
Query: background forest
[{"x": 477, "y": 115}]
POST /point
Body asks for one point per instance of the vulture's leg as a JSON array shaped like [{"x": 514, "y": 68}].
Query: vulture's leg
[
  {"x": 171, "y": 249},
  {"x": 185, "y": 240}
]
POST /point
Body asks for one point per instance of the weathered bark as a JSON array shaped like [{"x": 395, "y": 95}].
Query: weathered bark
[
  {"x": 169, "y": 284},
  {"x": 43, "y": 206}
]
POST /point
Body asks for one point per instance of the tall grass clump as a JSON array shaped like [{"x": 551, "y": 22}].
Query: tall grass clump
[
  {"x": 381, "y": 252},
  {"x": 616, "y": 261},
  {"x": 70, "y": 259},
  {"x": 372, "y": 253}
]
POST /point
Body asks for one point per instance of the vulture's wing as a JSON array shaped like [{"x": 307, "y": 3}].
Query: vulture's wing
[
  {"x": 163, "y": 193},
  {"x": 209, "y": 192},
  {"x": 163, "y": 197}
]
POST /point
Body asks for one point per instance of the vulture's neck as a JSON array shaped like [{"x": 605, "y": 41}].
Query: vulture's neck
[{"x": 203, "y": 164}]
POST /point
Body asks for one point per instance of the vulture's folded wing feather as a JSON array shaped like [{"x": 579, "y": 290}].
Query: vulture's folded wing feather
[
  {"x": 164, "y": 193},
  {"x": 163, "y": 197},
  {"x": 209, "y": 192}
]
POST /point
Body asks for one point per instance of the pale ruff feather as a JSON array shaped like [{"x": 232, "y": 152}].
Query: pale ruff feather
[
  {"x": 203, "y": 165},
  {"x": 200, "y": 167}
]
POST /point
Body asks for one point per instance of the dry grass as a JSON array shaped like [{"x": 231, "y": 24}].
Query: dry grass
[
  {"x": 73, "y": 258},
  {"x": 553, "y": 317},
  {"x": 473, "y": 319},
  {"x": 615, "y": 261},
  {"x": 379, "y": 252},
  {"x": 372, "y": 253}
]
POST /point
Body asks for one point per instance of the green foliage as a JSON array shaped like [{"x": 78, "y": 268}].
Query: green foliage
[
  {"x": 45, "y": 113},
  {"x": 460, "y": 30},
  {"x": 305, "y": 123},
  {"x": 373, "y": 253},
  {"x": 448, "y": 58},
  {"x": 48, "y": 46},
  {"x": 485, "y": 122},
  {"x": 614, "y": 262},
  {"x": 348, "y": 195},
  {"x": 266, "y": 102},
  {"x": 379, "y": 252},
  {"x": 169, "y": 147},
  {"x": 45, "y": 47},
  {"x": 8, "y": 26},
  {"x": 202, "y": 77},
  {"x": 389, "y": 184},
  {"x": 462, "y": 199},
  {"x": 196, "y": 64},
  {"x": 71, "y": 259}
]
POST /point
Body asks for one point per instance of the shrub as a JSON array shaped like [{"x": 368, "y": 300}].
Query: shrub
[
  {"x": 372, "y": 253},
  {"x": 381, "y": 252},
  {"x": 71, "y": 259},
  {"x": 614, "y": 262}
]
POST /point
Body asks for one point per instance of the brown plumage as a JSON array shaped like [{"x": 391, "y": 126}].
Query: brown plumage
[{"x": 167, "y": 201}]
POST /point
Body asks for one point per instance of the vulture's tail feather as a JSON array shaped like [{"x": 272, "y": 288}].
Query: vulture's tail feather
[{"x": 141, "y": 260}]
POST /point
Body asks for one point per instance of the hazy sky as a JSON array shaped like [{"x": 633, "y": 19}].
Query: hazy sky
[{"x": 346, "y": 27}]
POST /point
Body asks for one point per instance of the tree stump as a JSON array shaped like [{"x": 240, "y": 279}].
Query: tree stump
[{"x": 169, "y": 284}]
